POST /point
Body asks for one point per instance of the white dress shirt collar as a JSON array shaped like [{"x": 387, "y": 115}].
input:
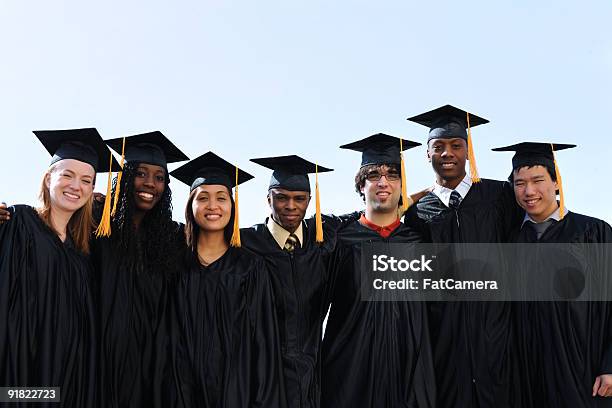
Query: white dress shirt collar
[
  {"x": 443, "y": 193},
  {"x": 280, "y": 234}
]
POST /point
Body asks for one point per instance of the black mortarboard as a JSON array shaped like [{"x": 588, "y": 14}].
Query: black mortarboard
[
  {"x": 533, "y": 153},
  {"x": 84, "y": 145},
  {"x": 380, "y": 149},
  {"x": 290, "y": 172},
  {"x": 447, "y": 122},
  {"x": 209, "y": 169},
  {"x": 151, "y": 148}
]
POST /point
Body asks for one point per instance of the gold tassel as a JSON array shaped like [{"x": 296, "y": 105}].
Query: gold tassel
[
  {"x": 104, "y": 228},
  {"x": 559, "y": 184},
  {"x": 235, "y": 241},
  {"x": 319, "y": 221},
  {"x": 118, "y": 185},
  {"x": 471, "y": 158},
  {"x": 406, "y": 200}
]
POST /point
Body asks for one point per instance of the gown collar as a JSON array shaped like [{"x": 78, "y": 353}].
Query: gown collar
[{"x": 383, "y": 231}]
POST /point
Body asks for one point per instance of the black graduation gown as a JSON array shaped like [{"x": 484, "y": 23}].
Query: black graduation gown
[
  {"x": 302, "y": 283},
  {"x": 375, "y": 354},
  {"x": 564, "y": 346},
  {"x": 224, "y": 339},
  {"x": 47, "y": 331},
  {"x": 132, "y": 303},
  {"x": 471, "y": 340}
]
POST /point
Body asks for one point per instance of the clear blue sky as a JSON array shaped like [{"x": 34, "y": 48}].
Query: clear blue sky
[{"x": 257, "y": 78}]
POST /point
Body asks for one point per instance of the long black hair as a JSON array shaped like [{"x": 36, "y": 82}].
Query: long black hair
[
  {"x": 192, "y": 229},
  {"x": 155, "y": 247}
]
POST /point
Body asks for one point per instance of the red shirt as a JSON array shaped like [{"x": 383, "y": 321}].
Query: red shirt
[{"x": 382, "y": 231}]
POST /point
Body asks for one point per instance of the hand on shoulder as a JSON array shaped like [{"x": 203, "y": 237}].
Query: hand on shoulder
[{"x": 5, "y": 214}]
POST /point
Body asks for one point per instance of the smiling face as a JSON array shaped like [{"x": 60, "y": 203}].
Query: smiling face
[
  {"x": 535, "y": 192},
  {"x": 149, "y": 186},
  {"x": 382, "y": 195},
  {"x": 288, "y": 207},
  {"x": 211, "y": 207},
  {"x": 448, "y": 158},
  {"x": 70, "y": 183}
]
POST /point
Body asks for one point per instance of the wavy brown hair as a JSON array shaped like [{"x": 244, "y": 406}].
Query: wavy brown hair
[{"x": 81, "y": 223}]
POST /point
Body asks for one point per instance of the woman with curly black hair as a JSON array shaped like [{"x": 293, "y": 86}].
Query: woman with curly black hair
[
  {"x": 225, "y": 346},
  {"x": 135, "y": 266}
]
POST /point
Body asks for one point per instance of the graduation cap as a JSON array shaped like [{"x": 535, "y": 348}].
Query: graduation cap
[
  {"x": 84, "y": 145},
  {"x": 448, "y": 122},
  {"x": 538, "y": 153},
  {"x": 380, "y": 149},
  {"x": 209, "y": 169},
  {"x": 384, "y": 149},
  {"x": 151, "y": 148},
  {"x": 291, "y": 173}
]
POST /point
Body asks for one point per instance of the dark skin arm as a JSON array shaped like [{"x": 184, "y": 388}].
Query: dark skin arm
[
  {"x": 416, "y": 197},
  {"x": 99, "y": 197},
  {"x": 420, "y": 194},
  {"x": 5, "y": 215}
]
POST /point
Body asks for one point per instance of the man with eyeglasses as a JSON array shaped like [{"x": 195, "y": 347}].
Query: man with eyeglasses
[{"x": 375, "y": 353}]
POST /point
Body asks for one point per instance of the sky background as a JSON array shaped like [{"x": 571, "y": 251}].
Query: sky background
[{"x": 261, "y": 78}]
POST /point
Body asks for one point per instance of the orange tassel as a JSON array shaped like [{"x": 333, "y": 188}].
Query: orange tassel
[
  {"x": 406, "y": 200},
  {"x": 104, "y": 228},
  {"x": 471, "y": 158},
  {"x": 559, "y": 184},
  {"x": 118, "y": 185},
  {"x": 235, "y": 241},
  {"x": 318, "y": 219}
]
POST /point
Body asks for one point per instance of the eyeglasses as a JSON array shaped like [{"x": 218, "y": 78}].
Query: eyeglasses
[{"x": 376, "y": 176}]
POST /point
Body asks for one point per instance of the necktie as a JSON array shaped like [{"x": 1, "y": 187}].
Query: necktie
[
  {"x": 291, "y": 243},
  {"x": 540, "y": 227},
  {"x": 455, "y": 200}
]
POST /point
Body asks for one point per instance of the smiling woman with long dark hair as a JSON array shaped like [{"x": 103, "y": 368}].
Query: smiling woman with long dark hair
[
  {"x": 144, "y": 209},
  {"x": 134, "y": 268},
  {"x": 225, "y": 344},
  {"x": 47, "y": 331}
]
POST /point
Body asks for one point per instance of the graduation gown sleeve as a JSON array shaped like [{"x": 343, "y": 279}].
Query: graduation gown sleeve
[{"x": 262, "y": 364}]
